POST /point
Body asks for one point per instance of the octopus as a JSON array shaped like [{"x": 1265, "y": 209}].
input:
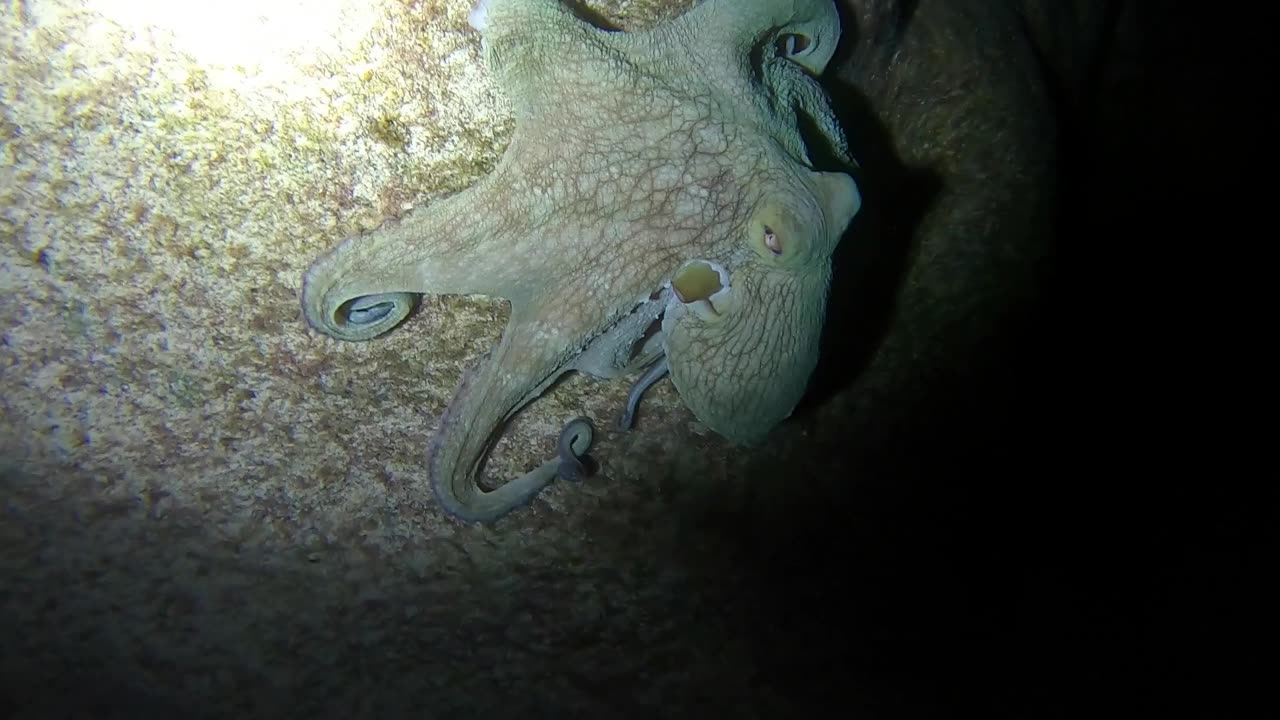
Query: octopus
[{"x": 656, "y": 211}]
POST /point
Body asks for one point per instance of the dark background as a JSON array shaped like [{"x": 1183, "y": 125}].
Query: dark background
[{"x": 1101, "y": 564}]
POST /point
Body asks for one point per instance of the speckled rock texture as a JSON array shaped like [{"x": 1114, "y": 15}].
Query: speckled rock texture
[{"x": 208, "y": 510}]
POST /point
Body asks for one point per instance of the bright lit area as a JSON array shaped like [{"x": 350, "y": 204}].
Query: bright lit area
[{"x": 247, "y": 33}]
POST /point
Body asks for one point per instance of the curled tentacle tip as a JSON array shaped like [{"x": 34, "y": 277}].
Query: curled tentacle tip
[{"x": 575, "y": 440}]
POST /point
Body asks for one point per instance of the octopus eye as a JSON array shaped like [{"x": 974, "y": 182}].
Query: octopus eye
[
  {"x": 779, "y": 236},
  {"x": 793, "y": 44},
  {"x": 772, "y": 241}
]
